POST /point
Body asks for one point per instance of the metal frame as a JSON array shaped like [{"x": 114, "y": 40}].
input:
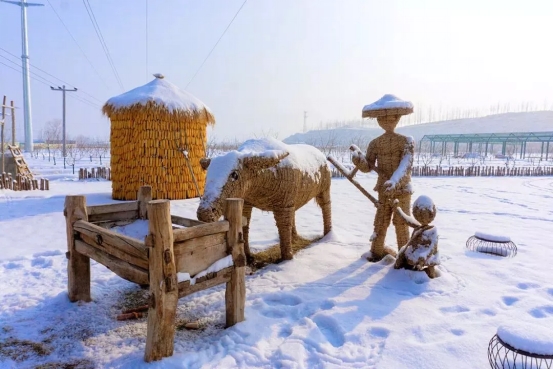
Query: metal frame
[{"x": 516, "y": 138}]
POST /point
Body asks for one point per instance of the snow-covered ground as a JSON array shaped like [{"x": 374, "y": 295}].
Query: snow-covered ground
[{"x": 327, "y": 308}]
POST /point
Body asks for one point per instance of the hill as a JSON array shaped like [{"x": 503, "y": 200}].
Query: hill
[{"x": 498, "y": 123}]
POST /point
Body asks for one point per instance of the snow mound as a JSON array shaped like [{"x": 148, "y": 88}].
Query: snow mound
[
  {"x": 137, "y": 229},
  {"x": 388, "y": 101},
  {"x": 536, "y": 339},
  {"x": 213, "y": 268},
  {"x": 161, "y": 92},
  {"x": 305, "y": 158},
  {"x": 491, "y": 237}
]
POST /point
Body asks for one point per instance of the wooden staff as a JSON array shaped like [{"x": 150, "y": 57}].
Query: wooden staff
[{"x": 349, "y": 175}]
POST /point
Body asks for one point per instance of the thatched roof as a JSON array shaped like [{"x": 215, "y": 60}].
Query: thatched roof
[
  {"x": 387, "y": 105},
  {"x": 162, "y": 94}
]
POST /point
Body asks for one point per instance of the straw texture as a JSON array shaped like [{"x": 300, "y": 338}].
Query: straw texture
[
  {"x": 147, "y": 144},
  {"x": 394, "y": 154},
  {"x": 385, "y": 112}
]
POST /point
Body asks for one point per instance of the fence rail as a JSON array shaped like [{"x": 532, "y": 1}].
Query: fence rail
[{"x": 481, "y": 171}]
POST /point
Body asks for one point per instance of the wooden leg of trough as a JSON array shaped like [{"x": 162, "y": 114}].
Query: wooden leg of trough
[
  {"x": 78, "y": 265},
  {"x": 235, "y": 294},
  {"x": 163, "y": 283}
]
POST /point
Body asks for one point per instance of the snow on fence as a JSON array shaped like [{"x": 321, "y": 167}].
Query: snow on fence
[
  {"x": 99, "y": 172},
  {"x": 23, "y": 183},
  {"x": 480, "y": 171},
  {"x": 196, "y": 250}
]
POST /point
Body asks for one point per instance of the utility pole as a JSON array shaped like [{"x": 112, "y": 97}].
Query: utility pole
[
  {"x": 304, "y": 121},
  {"x": 25, "y": 66},
  {"x": 63, "y": 90}
]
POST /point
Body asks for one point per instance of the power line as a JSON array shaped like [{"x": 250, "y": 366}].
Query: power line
[
  {"x": 45, "y": 72},
  {"x": 102, "y": 41},
  {"x": 79, "y": 46},
  {"x": 147, "y": 74},
  {"x": 217, "y": 43},
  {"x": 48, "y": 83}
]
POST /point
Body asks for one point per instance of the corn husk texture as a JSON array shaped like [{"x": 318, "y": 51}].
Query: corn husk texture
[{"x": 147, "y": 144}]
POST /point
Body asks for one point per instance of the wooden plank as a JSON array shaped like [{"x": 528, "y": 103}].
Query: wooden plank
[
  {"x": 162, "y": 308},
  {"x": 144, "y": 196},
  {"x": 121, "y": 268},
  {"x": 222, "y": 276},
  {"x": 124, "y": 215},
  {"x": 205, "y": 229},
  {"x": 111, "y": 239},
  {"x": 112, "y": 208},
  {"x": 78, "y": 264},
  {"x": 192, "y": 258},
  {"x": 185, "y": 222},
  {"x": 114, "y": 251}
]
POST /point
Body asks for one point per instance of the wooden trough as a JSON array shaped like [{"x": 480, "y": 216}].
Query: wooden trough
[{"x": 157, "y": 259}]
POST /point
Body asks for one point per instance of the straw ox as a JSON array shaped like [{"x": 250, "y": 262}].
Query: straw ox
[{"x": 271, "y": 176}]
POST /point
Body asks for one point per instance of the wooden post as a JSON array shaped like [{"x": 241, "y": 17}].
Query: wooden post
[
  {"x": 235, "y": 294},
  {"x": 2, "y": 121},
  {"x": 144, "y": 196},
  {"x": 163, "y": 282},
  {"x": 13, "y": 122},
  {"x": 78, "y": 265}
]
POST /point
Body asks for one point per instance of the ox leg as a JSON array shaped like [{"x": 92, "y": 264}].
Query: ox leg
[
  {"x": 323, "y": 200},
  {"x": 247, "y": 213},
  {"x": 295, "y": 235},
  {"x": 283, "y": 218}
]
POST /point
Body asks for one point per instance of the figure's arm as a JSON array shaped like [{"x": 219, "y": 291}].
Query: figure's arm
[
  {"x": 411, "y": 222},
  {"x": 402, "y": 174},
  {"x": 360, "y": 160}
]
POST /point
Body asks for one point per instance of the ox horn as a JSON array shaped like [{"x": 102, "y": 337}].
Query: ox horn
[
  {"x": 204, "y": 163},
  {"x": 262, "y": 162}
]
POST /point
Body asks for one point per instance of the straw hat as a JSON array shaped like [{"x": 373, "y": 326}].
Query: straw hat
[{"x": 387, "y": 105}]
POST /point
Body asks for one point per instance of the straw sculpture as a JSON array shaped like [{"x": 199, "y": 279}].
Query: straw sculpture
[
  {"x": 421, "y": 251},
  {"x": 158, "y": 135},
  {"x": 393, "y": 153},
  {"x": 274, "y": 177}
]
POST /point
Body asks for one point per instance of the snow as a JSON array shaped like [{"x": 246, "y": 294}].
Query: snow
[
  {"x": 327, "y": 308},
  {"x": 215, "y": 267},
  {"x": 404, "y": 165},
  {"x": 492, "y": 237},
  {"x": 533, "y": 338},
  {"x": 305, "y": 158},
  {"x": 137, "y": 229},
  {"x": 163, "y": 93},
  {"x": 424, "y": 202},
  {"x": 388, "y": 101}
]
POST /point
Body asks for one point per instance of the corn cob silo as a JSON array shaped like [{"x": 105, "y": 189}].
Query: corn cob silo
[{"x": 158, "y": 136}]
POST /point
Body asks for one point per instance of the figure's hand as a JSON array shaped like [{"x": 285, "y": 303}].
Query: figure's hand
[
  {"x": 355, "y": 159},
  {"x": 389, "y": 185},
  {"x": 393, "y": 202}
]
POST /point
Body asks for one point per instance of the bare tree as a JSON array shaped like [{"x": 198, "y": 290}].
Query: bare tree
[{"x": 52, "y": 134}]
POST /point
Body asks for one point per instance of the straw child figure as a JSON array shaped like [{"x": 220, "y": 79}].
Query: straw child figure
[
  {"x": 394, "y": 155},
  {"x": 421, "y": 252}
]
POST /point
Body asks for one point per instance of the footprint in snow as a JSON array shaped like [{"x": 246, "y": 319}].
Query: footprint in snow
[
  {"x": 542, "y": 311},
  {"x": 455, "y": 309},
  {"x": 41, "y": 262},
  {"x": 379, "y": 332},
  {"x": 509, "y": 300},
  {"x": 550, "y": 291},
  {"x": 527, "y": 286},
  {"x": 330, "y": 328},
  {"x": 488, "y": 312},
  {"x": 457, "y": 332},
  {"x": 282, "y": 299}
]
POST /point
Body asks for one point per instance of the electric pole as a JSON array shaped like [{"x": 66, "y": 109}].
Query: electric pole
[
  {"x": 63, "y": 91},
  {"x": 304, "y": 121},
  {"x": 25, "y": 66}
]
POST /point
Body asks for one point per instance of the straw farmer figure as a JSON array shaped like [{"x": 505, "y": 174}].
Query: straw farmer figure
[
  {"x": 421, "y": 251},
  {"x": 391, "y": 157}
]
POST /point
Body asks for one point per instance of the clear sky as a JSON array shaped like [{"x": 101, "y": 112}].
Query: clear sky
[{"x": 280, "y": 58}]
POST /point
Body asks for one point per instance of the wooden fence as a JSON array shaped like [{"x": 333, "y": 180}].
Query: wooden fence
[
  {"x": 22, "y": 183},
  {"x": 100, "y": 172},
  {"x": 481, "y": 171}
]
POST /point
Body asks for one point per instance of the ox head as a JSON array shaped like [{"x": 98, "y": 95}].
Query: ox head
[{"x": 231, "y": 176}]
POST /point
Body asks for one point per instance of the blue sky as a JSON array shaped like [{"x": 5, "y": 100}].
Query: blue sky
[{"x": 281, "y": 57}]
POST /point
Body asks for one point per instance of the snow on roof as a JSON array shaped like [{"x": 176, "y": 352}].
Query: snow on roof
[
  {"x": 161, "y": 92},
  {"x": 388, "y": 101},
  {"x": 306, "y": 158}
]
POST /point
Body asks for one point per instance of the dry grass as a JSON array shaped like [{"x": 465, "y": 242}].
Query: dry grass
[
  {"x": 272, "y": 254},
  {"x": 76, "y": 364},
  {"x": 20, "y": 350}
]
